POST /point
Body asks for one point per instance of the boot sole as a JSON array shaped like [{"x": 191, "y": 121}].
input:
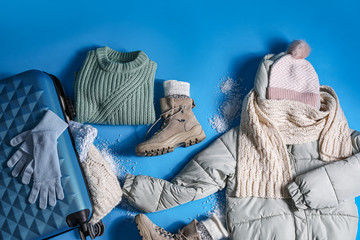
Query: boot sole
[
  {"x": 177, "y": 140},
  {"x": 144, "y": 232}
]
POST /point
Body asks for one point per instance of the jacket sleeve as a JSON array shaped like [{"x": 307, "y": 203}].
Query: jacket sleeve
[
  {"x": 205, "y": 174},
  {"x": 330, "y": 184}
]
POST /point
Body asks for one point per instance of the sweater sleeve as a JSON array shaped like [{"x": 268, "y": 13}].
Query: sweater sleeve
[
  {"x": 331, "y": 184},
  {"x": 205, "y": 174}
]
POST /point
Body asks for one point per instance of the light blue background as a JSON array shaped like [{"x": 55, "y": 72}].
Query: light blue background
[{"x": 195, "y": 41}]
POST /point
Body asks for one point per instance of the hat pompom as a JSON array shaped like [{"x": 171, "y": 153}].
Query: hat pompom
[{"x": 299, "y": 49}]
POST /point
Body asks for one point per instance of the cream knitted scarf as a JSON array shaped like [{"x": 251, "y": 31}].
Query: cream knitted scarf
[{"x": 263, "y": 165}]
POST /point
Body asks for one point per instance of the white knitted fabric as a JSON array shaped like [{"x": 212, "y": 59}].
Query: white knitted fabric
[
  {"x": 263, "y": 167},
  {"x": 294, "y": 79},
  {"x": 103, "y": 185},
  {"x": 174, "y": 87},
  {"x": 215, "y": 228}
]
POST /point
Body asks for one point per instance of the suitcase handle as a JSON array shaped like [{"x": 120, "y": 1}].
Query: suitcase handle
[{"x": 69, "y": 110}]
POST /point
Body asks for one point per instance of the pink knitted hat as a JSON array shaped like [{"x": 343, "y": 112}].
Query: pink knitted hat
[{"x": 294, "y": 78}]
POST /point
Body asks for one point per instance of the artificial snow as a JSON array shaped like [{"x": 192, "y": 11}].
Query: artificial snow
[
  {"x": 230, "y": 107},
  {"x": 118, "y": 164},
  {"x": 217, "y": 203}
]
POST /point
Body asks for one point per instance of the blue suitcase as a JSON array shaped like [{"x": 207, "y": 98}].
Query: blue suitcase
[{"x": 24, "y": 98}]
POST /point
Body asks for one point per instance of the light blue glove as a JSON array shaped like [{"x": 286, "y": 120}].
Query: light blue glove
[
  {"x": 23, "y": 158},
  {"x": 38, "y": 157},
  {"x": 46, "y": 180}
]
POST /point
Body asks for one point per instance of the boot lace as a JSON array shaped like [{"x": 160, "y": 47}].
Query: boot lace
[
  {"x": 169, "y": 235},
  {"x": 166, "y": 117}
]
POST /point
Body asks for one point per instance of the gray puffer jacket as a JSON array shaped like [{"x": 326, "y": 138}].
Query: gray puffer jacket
[{"x": 322, "y": 204}]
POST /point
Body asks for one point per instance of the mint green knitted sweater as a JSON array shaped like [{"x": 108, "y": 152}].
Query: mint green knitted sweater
[{"x": 115, "y": 88}]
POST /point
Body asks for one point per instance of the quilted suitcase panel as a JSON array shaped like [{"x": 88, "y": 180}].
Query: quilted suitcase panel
[{"x": 24, "y": 98}]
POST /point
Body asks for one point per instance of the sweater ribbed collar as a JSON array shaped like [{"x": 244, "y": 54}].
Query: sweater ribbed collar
[{"x": 114, "y": 61}]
